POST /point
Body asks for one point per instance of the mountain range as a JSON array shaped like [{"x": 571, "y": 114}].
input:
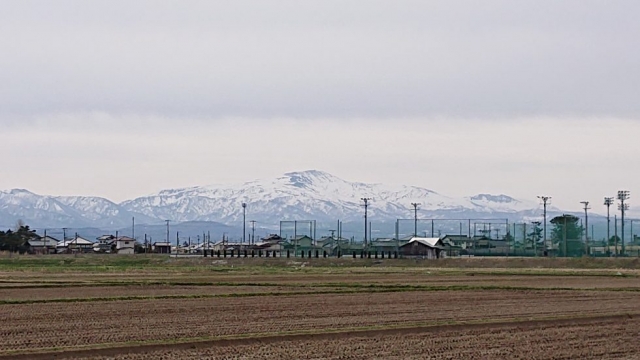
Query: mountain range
[{"x": 305, "y": 195}]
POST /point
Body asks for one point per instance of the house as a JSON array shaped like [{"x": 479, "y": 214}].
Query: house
[
  {"x": 43, "y": 245},
  {"x": 76, "y": 244},
  {"x": 455, "y": 244},
  {"x": 226, "y": 245},
  {"x": 335, "y": 245},
  {"x": 429, "y": 248},
  {"x": 125, "y": 245},
  {"x": 161, "y": 247},
  {"x": 200, "y": 248},
  {"x": 301, "y": 245},
  {"x": 271, "y": 247},
  {"x": 385, "y": 245},
  {"x": 104, "y": 244},
  {"x": 272, "y": 238}
]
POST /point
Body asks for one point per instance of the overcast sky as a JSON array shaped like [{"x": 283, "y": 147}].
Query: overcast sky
[{"x": 124, "y": 98}]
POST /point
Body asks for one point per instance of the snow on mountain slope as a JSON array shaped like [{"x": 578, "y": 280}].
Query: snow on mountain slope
[
  {"x": 20, "y": 204},
  {"x": 51, "y": 211},
  {"x": 307, "y": 195},
  {"x": 502, "y": 203}
]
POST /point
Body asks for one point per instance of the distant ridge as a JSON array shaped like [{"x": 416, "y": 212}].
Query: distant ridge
[{"x": 310, "y": 194}]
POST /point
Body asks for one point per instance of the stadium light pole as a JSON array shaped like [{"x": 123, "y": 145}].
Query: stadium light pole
[
  {"x": 168, "y": 242},
  {"x": 545, "y": 201},
  {"x": 415, "y": 218},
  {"x": 244, "y": 222},
  {"x": 608, "y": 201},
  {"x": 253, "y": 232},
  {"x": 586, "y": 227},
  {"x": 623, "y": 195},
  {"x": 366, "y": 207}
]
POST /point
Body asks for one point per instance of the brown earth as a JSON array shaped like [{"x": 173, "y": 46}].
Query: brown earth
[
  {"x": 607, "y": 338},
  {"x": 28, "y": 327},
  {"x": 48, "y": 293},
  {"x": 303, "y": 279}
]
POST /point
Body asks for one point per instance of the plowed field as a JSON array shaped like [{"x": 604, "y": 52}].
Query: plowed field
[
  {"x": 321, "y": 313},
  {"x": 613, "y": 338},
  {"x": 85, "y": 292},
  {"x": 84, "y": 323}
]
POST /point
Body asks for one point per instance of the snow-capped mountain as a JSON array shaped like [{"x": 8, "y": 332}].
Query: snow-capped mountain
[
  {"x": 311, "y": 195},
  {"x": 306, "y": 195},
  {"x": 68, "y": 211},
  {"x": 502, "y": 203}
]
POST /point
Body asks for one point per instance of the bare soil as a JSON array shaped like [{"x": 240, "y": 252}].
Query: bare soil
[
  {"x": 598, "y": 339},
  {"x": 63, "y": 325}
]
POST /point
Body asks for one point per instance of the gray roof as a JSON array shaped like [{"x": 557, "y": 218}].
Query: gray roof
[{"x": 49, "y": 242}]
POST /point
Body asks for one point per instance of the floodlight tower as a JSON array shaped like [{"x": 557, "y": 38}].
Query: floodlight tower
[
  {"x": 253, "y": 232},
  {"x": 244, "y": 222},
  {"x": 586, "y": 227},
  {"x": 623, "y": 195},
  {"x": 545, "y": 201},
  {"x": 366, "y": 206},
  {"x": 608, "y": 201},
  {"x": 415, "y": 218}
]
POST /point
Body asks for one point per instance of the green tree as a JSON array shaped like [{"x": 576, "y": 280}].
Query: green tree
[
  {"x": 15, "y": 241},
  {"x": 615, "y": 239},
  {"x": 535, "y": 236},
  {"x": 566, "y": 235}
]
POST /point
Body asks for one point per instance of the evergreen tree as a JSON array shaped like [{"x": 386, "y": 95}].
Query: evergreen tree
[
  {"x": 566, "y": 234},
  {"x": 17, "y": 240}
]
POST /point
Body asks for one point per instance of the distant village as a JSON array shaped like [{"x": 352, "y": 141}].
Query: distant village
[{"x": 277, "y": 246}]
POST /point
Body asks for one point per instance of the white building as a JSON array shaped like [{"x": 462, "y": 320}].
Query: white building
[
  {"x": 76, "y": 244},
  {"x": 125, "y": 245}
]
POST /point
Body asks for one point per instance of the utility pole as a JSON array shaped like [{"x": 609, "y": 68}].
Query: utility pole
[
  {"x": 168, "y": 231},
  {"x": 244, "y": 222},
  {"x": 415, "y": 218},
  {"x": 366, "y": 207},
  {"x": 586, "y": 227},
  {"x": 608, "y": 201},
  {"x": 133, "y": 228},
  {"x": 545, "y": 201},
  {"x": 623, "y": 195},
  {"x": 253, "y": 231},
  {"x": 615, "y": 230},
  {"x": 64, "y": 234}
]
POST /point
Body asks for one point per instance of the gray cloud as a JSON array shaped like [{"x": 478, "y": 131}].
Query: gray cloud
[{"x": 374, "y": 59}]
